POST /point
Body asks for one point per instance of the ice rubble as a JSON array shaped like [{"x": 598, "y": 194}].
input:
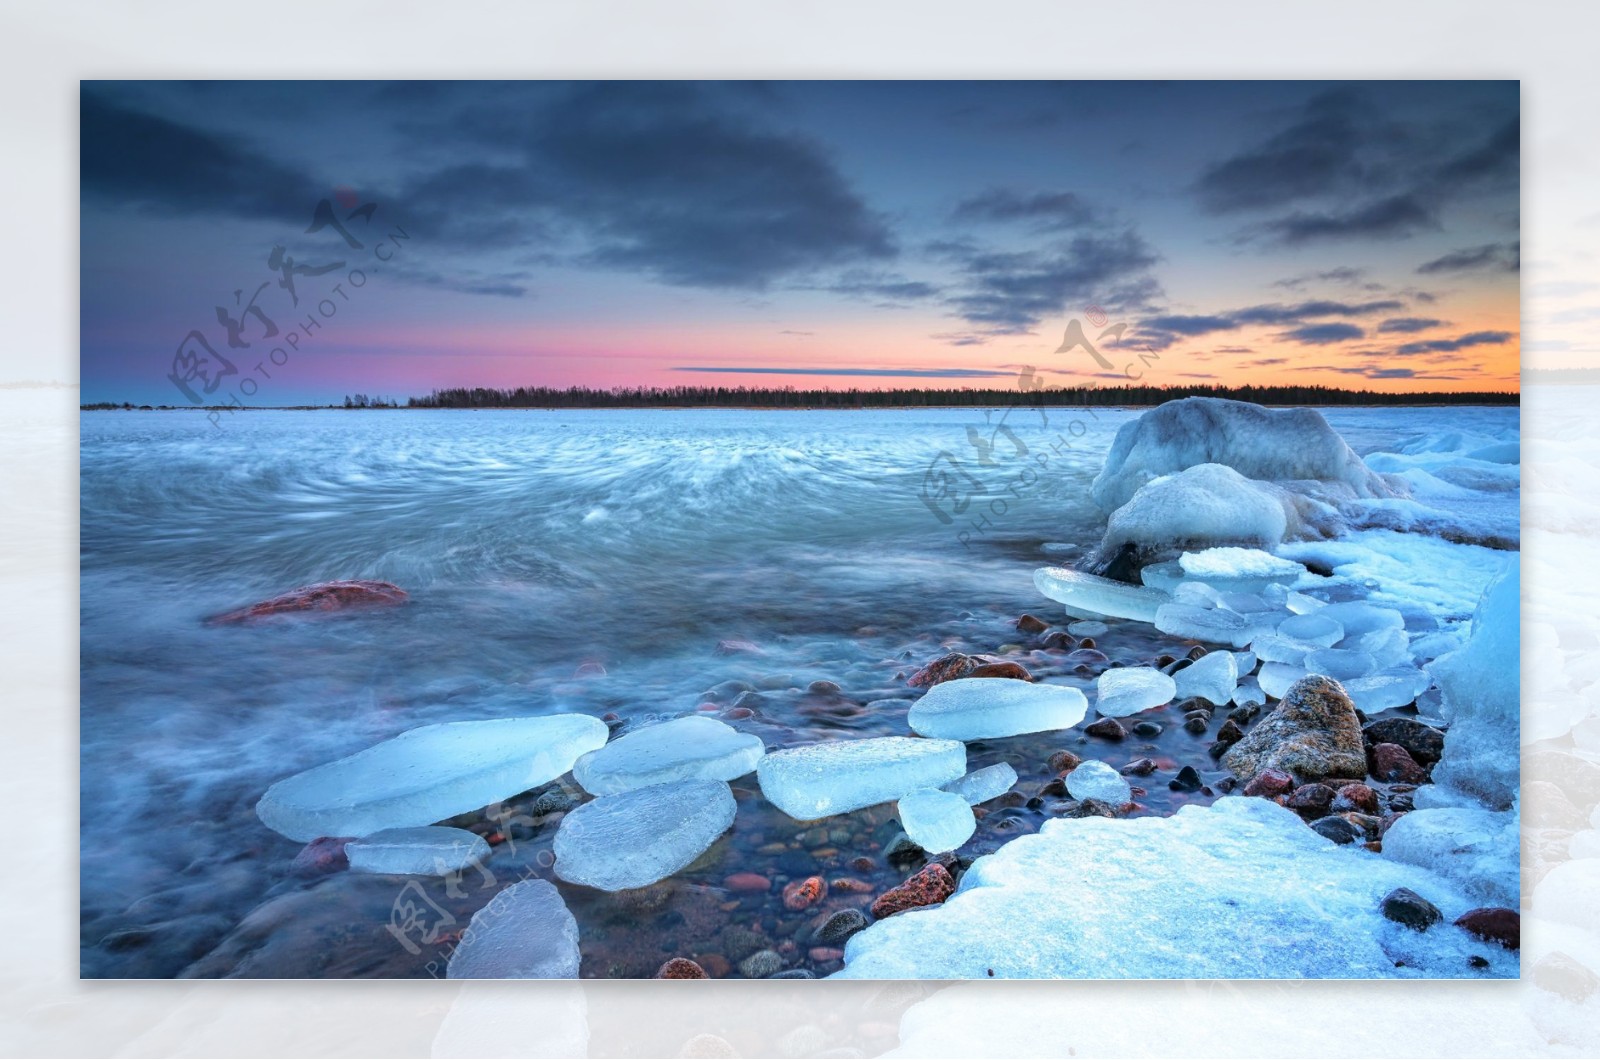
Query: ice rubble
[
  {"x": 981, "y": 785},
  {"x": 986, "y": 708},
  {"x": 1087, "y": 595},
  {"x": 428, "y": 851},
  {"x": 635, "y": 838},
  {"x": 1096, "y": 780},
  {"x": 829, "y": 778},
  {"x": 427, "y": 774},
  {"x": 1212, "y": 677},
  {"x": 1176, "y": 897},
  {"x": 1127, "y": 690},
  {"x": 525, "y": 932},
  {"x": 691, "y": 748},
  {"x": 937, "y": 821}
]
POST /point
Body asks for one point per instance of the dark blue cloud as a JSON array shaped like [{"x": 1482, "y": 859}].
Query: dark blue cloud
[
  {"x": 1322, "y": 334},
  {"x": 1461, "y": 342},
  {"x": 1408, "y": 325},
  {"x": 1047, "y": 209},
  {"x": 1011, "y": 292},
  {"x": 1497, "y": 257}
]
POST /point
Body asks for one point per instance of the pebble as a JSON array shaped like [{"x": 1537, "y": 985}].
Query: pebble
[
  {"x": 1393, "y": 763},
  {"x": 321, "y": 856},
  {"x": 1139, "y": 767},
  {"x": 1270, "y": 783},
  {"x": 803, "y": 894},
  {"x": 840, "y": 926},
  {"x": 1356, "y": 797},
  {"x": 748, "y": 883},
  {"x": 1148, "y": 730},
  {"x": 1312, "y": 799},
  {"x": 850, "y": 885},
  {"x": 1494, "y": 924},
  {"x": 824, "y": 954},
  {"x": 1032, "y": 624},
  {"x": 1405, "y": 906},
  {"x": 1107, "y": 729},
  {"x": 761, "y": 964},
  {"x": 1186, "y": 780},
  {"x": 930, "y": 886},
  {"x": 681, "y": 968},
  {"x": 1337, "y": 829},
  {"x": 1063, "y": 762}
]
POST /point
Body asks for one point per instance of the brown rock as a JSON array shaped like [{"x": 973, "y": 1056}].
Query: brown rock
[
  {"x": 1031, "y": 624},
  {"x": 1494, "y": 924},
  {"x": 1357, "y": 797},
  {"x": 1270, "y": 782},
  {"x": 1107, "y": 729},
  {"x": 945, "y": 668},
  {"x": 1063, "y": 762},
  {"x": 1139, "y": 767},
  {"x": 1312, "y": 799},
  {"x": 1230, "y": 733},
  {"x": 1313, "y": 733},
  {"x": 1012, "y": 670},
  {"x": 1391, "y": 762},
  {"x": 1423, "y": 742},
  {"x": 321, "y": 598},
  {"x": 824, "y": 954},
  {"x": 802, "y": 894},
  {"x": 716, "y": 965},
  {"x": 748, "y": 883},
  {"x": 321, "y": 856},
  {"x": 930, "y": 886},
  {"x": 681, "y": 968}
]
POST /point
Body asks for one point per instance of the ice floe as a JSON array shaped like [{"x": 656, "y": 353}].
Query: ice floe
[
  {"x": 1212, "y": 677},
  {"x": 525, "y": 932},
  {"x": 1126, "y": 690},
  {"x": 690, "y": 748},
  {"x": 642, "y": 835},
  {"x": 1090, "y": 596},
  {"x": 842, "y": 775},
  {"x": 981, "y": 785},
  {"x": 1097, "y": 780},
  {"x": 935, "y": 820},
  {"x": 429, "y": 851},
  {"x": 981, "y": 708}
]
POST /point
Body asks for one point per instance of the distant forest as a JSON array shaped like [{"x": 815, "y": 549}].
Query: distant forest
[{"x": 790, "y": 397}]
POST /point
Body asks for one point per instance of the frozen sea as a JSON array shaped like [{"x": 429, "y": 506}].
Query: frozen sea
[{"x": 848, "y": 546}]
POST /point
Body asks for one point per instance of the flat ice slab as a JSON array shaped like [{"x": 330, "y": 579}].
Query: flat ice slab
[
  {"x": 937, "y": 821},
  {"x": 1096, "y": 780},
  {"x": 843, "y": 775},
  {"x": 428, "y": 774},
  {"x": 1215, "y": 625},
  {"x": 525, "y": 932},
  {"x": 1091, "y": 594},
  {"x": 983, "y": 708},
  {"x": 691, "y": 748},
  {"x": 633, "y": 839},
  {"x": 430, "y": 851},
  {"x": 1177, "y": 897},
  {"x": 981, "y": 785},
  {"x": 1129, "y": 689}
]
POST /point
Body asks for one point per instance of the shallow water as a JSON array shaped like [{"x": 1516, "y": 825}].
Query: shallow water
[{"x": 533, "y": 543}]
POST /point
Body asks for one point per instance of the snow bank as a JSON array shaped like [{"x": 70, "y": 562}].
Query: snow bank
[{"x": 1176, "y": 897}]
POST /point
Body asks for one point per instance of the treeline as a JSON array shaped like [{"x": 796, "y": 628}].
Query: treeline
[{"x": 791, "y": 397}]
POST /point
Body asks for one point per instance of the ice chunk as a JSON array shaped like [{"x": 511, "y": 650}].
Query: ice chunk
[
  {"x": 1175, "y": 897},
  {"x": 525, "y": 932},
  {"x": 428, "y": 774},
  {"x": 1215, "y": 624},
  {"x": 1244, "y": 662},
  {"x": 633, "y": 839},
  {"x": 1259, "y": 443},
  {"x": 1274, "y": 648},
  {"x": 1317, "y": 627},
  {"x": 828, "y": 778},
  {"x": 1212, "y": 677},
  {"x": 1385, "y": 689},
  {"x": 427, "y": 851},
  {"x": 1475, "y": 848},
  {"x": 1088, "y": 628},
  {"x": 1275, "y": 679},
  {"x": 1358, "y": 616},
  {"x": 935, "y": 820},
  {"x": 1199, "y": 507},
  {"x": 1126, "y": 690},
  {"x": 1095, "y": 595},
  {"x": 1249, "y": 694},
  {"x": 981, "y": 785},
  {"x": 1239, "y": 566},
  {"x": 691, "y": 748},
  {"x": 1248, "y": 603},
  {"x": 1339, "y": 663},
  {"x": 1386, "y": 646},
  {"x": 988, "y": 708},
  {"x": 1481, "y": 695},
  {"x": 1197, "y": 593},
  {"x": 1096, "y": 780},
  {"x": 1302, "y": 604},
  {"x": 1163, "y": 576}
]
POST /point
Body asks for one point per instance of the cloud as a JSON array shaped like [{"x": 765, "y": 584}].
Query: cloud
[
  {"x": 910, "y": 373},
  {"x": 1315, "y": 154},
  {"x": 1461, "y": 342},
  {"x": 1267, "y": 362},
  {"x": 1010, "y": 292},
  {"x": 1295, "y": 312},
  {"x": 1050, "y": 210},
  {"x": 1322, "y": 334},
  {"x": 1393, "y": 217},
  {"x": 1189, "y": 325},
  {"x": 862, "y": 283},
  {"x": 1408, "y": 325},
  {"x": 1499, "y": 257}
]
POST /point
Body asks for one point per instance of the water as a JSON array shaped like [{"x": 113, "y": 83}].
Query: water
[{"x": 533, "y": 543}]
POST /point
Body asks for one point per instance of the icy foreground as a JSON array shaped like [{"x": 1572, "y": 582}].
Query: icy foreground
[
  {"x": 691, "y": 748},
  {"x": 525, "y": 932},
  {"x": 1176, "y": 897},
  {"x": 430, "y": 851},
  {"x": 989, "y": 708},
  {"x": 828, "y": 778},
  {"x": 618, "y": 842},
  {"x": 428, "y": 774}
]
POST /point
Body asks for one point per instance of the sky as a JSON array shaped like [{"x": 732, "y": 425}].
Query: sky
[{"x": 273, "y": 243}]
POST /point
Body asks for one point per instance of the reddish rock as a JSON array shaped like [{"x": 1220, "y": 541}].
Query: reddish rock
[
  {"x": 930, "y": 886},
  {"x": 1393, "y": 763},
  {"x": 945, "y": 668},
  {"x": 1312, "y": 798},
  {"x": 1087, "y": 660},
  {"x": 1270, "y": 783},
  {"x": 1356, "y": 797},
  {"x": 321, "y": 856},
  {"x": 748, "y": 883},
  {"x": 739, "y": 646},
  {"x": 1087, "y": 643},
  {"x": 850, "y": 885},
  {"x": 1139, "y": 767},
  {"x": 1015, "y": 671},
  {"x": 1059, "y": 640},
  {"x": 681, "y": 968},
  {"x": 1107, "y": 729},
  {"x": 1030, "y": 624},
  {"x": 738, "y": 713},
  {"x": 320, "y": 598},
  {"x": 715, "y": 964},
  {"x": 1063, "y": 762},
  {"x": 824, "y": 954},
  {"x": 1494, "y": 924},
  {"x": 802, "y": 894}
]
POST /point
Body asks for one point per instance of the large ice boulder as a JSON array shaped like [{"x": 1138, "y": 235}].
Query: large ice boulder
[
  {"x": 1270, "y": 445},
  {"x": 1481, "y": 699}
]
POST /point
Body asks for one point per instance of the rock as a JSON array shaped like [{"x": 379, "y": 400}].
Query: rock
[
  {"x": 552, "y": 801},
  {"x": 1230, "y": 733},
  {"x": 748, "y": 883},
  {"x": 1244, "y": 713},
  {"x": 1014, "y": 671},
  {"x": 1313, "y": 733},
  {"x": 1338, "y": 829},
  {"x": 1197, "y": 724},
  {"x": 1090, "y": 808},
  {"x": 794, "y": 973},
  {"x": 321, "y": 598},
  {"x": 1030, "y": 624},
  {"x": 1186, "y": 780},
  {"x": 1565, "y": 977},
  {"x": 1392, "y": 763},
  {"x": 1270, "y": 783},
  {"x": 1423, "y": 742},
  {"x": 1059, "y": 641},
  {"x": 1405, "y": 906},
  {"x": 761, "y": 964},
  {"x": 901, "y": 848},
  {"x": 1312, "y": 799},
  {"x": 823, "y": 688},
  {"x": 945, "y": 668},
  {"x": 1107, "y": 729},
  {"x": 1494, "y": 924},
  {"x": 1063, "y": 762},
  {"x": 930, "y": 886},
  {"x": 681, "y": 968},
  {"x": 1139, "y": 767},
  {"x": 321, "y": 856},
  {"x": 1148, "y": 730},
  {"x": 1087, "y": 660},
  {"x": 840, "y": 926},
  {"x": 802, "y": 894},
  {"x": 1356, "y": 797}
]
